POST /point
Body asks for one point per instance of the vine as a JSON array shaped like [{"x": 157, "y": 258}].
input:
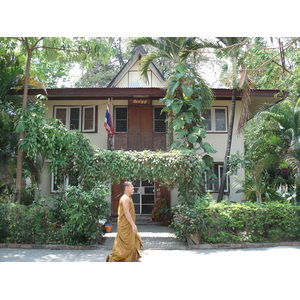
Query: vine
[{"x": 72, "y": 152}]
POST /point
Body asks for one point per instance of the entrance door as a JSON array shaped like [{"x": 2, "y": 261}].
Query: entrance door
[
  {"x": 143, "y": 197},
  {"x": 140, "y": 128}
]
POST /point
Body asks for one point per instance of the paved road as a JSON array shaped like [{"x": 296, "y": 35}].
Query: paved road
[
  {"x": 261, "y": 273},
  {"x": 266, "y": 273}
]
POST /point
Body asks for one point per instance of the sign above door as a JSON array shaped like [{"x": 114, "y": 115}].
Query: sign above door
[{"x": 140, "y": 102}]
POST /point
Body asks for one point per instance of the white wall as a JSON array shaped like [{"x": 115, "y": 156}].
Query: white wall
[{"x": 98, "y": 139}]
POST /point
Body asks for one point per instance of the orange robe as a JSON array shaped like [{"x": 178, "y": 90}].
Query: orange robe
[
  {"x": 126, "y": 245},
  {"x": 159, "y": 204}
]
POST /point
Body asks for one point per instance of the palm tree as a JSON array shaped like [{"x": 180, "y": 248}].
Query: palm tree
[
  {"x": 288, "y": 120},
  {"x": 174, "y": 49}
]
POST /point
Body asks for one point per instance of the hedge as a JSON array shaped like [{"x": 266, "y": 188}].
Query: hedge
[
  {"x": 72, "y": 219},
  {"x": 238, "y": 223}
]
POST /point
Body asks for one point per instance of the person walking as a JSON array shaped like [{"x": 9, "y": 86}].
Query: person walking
[{"x": 127, "y": 242}]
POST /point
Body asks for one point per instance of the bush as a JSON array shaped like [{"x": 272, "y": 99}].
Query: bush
[
  {"x": 81, "y": 211},
  {"x": 4, "y": 222},
  {"x": 72, "y": 219},
  {"x": 237, "y": 223},
  {"x": 31, "y": 225}
]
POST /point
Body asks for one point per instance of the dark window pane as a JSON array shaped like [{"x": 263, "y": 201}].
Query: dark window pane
[
  {"x": 137, "y": 208},
  {"x": 74, "y": 118},
  {"x": 220, "y": 119},
  {"x": 121, "y": 119},
  {"x": 73, "y": 179},
  {"x": 61, "y": 114},
  {"x": 159, "y": 120},
  {"x": 88, "y": 118},
  {"x": 147, "y": 183},
  {"x": 207, "y": 117},
  {"x": 148, "y": 199},
  {"x": 147, "y": 209}
]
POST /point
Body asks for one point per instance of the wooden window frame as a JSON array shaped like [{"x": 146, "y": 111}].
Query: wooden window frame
[
  {"x": 115, "y": 119},
  {"x": 81, "y": 116},
  {"x": 66, "y": 183},
  {"x": 213, "y": 120},
  {"x": 158, "y": 107},
  {"x": 219, "y": 175},
  {"x": 94, "y": 118}
]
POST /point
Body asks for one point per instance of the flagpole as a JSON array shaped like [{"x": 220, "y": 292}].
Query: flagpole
[
  {"x": 110, "y": 132},
  {"x": 112, "y": 113},
  {"x": 109, "y": 137}
]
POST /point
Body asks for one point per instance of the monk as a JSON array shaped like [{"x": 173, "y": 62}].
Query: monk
[
  {"x": 159, "y": 203},
  {"x": 127, "y": 242}
]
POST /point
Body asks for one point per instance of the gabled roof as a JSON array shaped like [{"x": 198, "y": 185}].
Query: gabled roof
[{"x": 138, "y": 54}]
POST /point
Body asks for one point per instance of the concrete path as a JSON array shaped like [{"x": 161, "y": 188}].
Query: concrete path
[{"x": 168, "y": 268}]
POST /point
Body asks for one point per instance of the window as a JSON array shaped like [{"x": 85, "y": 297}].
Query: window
[
  {"x": 121, "y": 119},
  {"x": 159, "y": 120},
  {"x": 77, "y": 117},
  {"x": 89, "y": 123},
  {"x": 213, "y": 184},
  {"x": 61, "y": 181},
  {"x": 216, "y": 119}
]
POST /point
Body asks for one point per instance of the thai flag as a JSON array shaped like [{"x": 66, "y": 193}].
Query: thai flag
[{"x": 108, "y": 124}]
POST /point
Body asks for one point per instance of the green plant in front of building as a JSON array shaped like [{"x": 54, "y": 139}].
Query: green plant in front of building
[
  {"x": 238, "y": 223},
  {"x": 82, "y": 211},
  {"x": 72, "y": 219}
]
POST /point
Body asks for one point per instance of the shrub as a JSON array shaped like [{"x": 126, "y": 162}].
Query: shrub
[
  {"x": 236, "y": 223},
  {"x": 31, "y": 225},
  {"x": 82, "y": 211},
  {"x": 72, "y": 219},
  {"x": 4, "y": 222}
]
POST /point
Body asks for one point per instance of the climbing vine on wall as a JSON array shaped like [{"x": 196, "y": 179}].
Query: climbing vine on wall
[
  {"x": 71, "y": 151},
  {"x": 177, "y": 168},
  {"x": 187, "y": 97}
]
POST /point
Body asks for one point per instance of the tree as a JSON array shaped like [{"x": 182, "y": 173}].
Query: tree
[
  {"x": 267, "y": 171},
  {"x": 187, "y": 96},
  {"x": 228, "y": 47},
  {"x": 288, "y": 121},
  {"x": 98, "y": 73},
  {"x": 10, "y": 71},
  {"x": 59, "y": 49},
  {"x": 173, "y": 49}
]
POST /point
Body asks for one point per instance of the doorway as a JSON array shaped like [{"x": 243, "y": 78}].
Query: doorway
[
  {"x": 140, "y": 128},
  {"x": 143, "y": 197}
]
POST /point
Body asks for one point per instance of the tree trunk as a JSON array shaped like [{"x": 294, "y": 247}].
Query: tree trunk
[
  {"x": 17, "y": 197},
  {"x": 228, "y": 147}
]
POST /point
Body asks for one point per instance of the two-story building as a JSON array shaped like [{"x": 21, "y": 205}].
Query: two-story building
[{"x": 139, "y": 125}]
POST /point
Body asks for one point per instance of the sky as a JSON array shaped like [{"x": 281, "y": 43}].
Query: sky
[{"x": 155, "y": 18}]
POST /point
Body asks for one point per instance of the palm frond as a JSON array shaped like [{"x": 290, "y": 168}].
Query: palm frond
[
  {"x": 146, "y": 61},
  {"x": 134, "y": 43}
]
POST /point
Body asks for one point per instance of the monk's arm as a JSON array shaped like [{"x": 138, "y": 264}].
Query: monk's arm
[{"x": 125, "y": 203}]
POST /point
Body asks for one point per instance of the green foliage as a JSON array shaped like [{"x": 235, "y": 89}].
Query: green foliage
[
  {"x": 272, "y": 158},
  {"x": 187, "y": 96},
  {"x": 71, "y": 151},
  {"x": 72, "y": 219},
  {"x": 166, "y": 50},
  {"x": 31, "y": 225},
  {"x": 238, "y": 223},
  {"x": 82, "y": 211},
  {"x": 189, "y": 219},
  {"x": 4, "y": 222}
]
